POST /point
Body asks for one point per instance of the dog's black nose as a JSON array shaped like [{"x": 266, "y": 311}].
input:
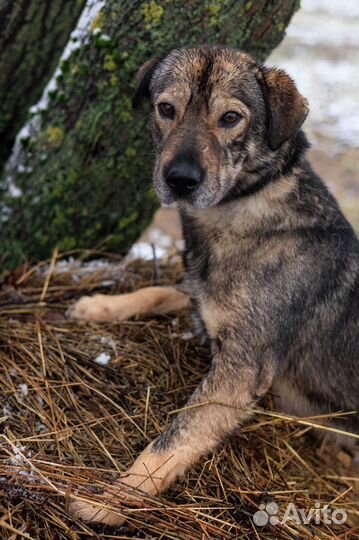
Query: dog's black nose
[{"x": 184, "y": 176}]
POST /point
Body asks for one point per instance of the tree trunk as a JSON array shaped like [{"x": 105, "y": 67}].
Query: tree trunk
[
  {"x": 33, "y": 34},
  {"x": 87, "y": 179}
]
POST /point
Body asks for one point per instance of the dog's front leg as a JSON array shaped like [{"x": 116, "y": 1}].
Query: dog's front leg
[
  {"x": 121, "y": 307},
  {"x": 218, "y": 406}
]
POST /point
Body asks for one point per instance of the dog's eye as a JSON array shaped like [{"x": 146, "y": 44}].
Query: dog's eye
[
  {"x": 229, "y": 119},
  {"x": 166, "y": 110}
]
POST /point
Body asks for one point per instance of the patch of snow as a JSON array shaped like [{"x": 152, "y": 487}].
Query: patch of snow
[
  {"x": 13, "y": 189},
  {"x": 29, "y": 474},
  {"x": 6, "y": 410},
  {"x": 159, "y": 238},
  {"x": 186, "y": 336},
  {"x": 24, "y": 390},
  {"x": 105, "y": 37},
  {"x": 146, "y": 251},
  {"x": 65, "y": 264},
  {"x": 349, "y": 8},
  {"x": 108, "y": 340},
  {"x": 40, "y": 427},
  {"x": 103, "y": 359},
  {"x": 96, "y": 264},
  {"x": 108, "y": 283},
  {"x": 17, "y": 458},
  {"x": 77, "y": 39},
  {"x": 80, "y": 268},
  {"x": 333, "y": 32}
]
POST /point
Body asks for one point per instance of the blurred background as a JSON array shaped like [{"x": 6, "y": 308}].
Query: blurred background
[{"x": 321, "y": 53}]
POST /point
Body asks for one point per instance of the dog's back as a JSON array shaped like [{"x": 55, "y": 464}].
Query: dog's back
[{"x": 321, "y": 366}]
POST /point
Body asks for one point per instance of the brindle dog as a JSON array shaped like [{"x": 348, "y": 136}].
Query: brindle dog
[{"x": 272, "y": 265}]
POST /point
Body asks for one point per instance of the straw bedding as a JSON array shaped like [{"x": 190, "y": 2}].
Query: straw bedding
[{"x": 80, "y": 401}]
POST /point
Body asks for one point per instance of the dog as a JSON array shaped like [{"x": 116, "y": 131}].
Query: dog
[{"x": 271, "y": 264}]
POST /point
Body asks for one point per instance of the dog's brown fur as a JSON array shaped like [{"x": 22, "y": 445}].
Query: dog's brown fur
[{"x": 272, "y": 266}]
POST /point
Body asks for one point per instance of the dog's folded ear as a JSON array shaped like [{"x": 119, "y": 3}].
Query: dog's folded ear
[
  {"x": 143, "y": 79},
  {"x": 286, "y": 107}
]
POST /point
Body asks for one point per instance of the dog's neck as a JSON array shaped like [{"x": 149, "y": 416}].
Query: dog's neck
[
  {"x": 244, "y": 216},
  {"x": 261, "y": 169},
  {"x": 259, "y": 196}
]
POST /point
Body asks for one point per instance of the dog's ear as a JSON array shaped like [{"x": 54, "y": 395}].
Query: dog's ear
[
  {"x": 143, "y": 79},
  {"x": 286, "y": 107}
]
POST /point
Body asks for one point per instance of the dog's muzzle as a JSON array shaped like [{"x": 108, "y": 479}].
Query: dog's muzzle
[{"x": 183, "y": 176}]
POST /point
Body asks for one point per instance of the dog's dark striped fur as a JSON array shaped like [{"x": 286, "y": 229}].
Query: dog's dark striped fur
[{"x": 272, "y": 265}]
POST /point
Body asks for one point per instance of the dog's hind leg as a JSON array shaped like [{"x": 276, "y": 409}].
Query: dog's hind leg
[{"x": 149, "y": 300}]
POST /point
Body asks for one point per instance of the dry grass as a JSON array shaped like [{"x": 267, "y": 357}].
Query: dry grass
[{"x": 69, "y": 423}]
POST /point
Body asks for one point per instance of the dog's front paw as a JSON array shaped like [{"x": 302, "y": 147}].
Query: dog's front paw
[
  {"x": 92, "y": 308},
  {"x": 95, "y": 514}
]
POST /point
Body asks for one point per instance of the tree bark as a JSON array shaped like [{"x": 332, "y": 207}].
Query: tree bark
[
  {"x": 87, "y": 179},
  {"x": 33, "y": 34}
]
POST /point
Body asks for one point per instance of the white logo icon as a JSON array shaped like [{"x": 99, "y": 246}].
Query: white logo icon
[{"x": 266, "y": 514}]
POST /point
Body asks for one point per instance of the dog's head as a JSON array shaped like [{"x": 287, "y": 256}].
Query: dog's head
[{"x": 218, "y": 119}]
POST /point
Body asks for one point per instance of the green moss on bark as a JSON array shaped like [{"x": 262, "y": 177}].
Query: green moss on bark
[{"x": 88, "y": 179}]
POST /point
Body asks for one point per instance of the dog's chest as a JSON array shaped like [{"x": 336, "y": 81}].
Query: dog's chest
[
  {"x": 212, "y": 275},
  {"x": 214, "y": 263},
  {"x": 211, "y": 287}
]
